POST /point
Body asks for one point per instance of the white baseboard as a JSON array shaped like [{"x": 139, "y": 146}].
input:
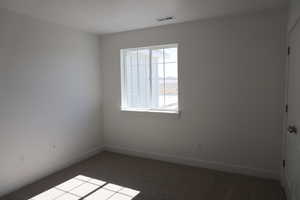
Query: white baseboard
[
  {"x": 79, "y": 158},
  {"x": 86, "y": 155},
  {"x": 197, "y": 163},
  {"x": 71, "y": 162}
]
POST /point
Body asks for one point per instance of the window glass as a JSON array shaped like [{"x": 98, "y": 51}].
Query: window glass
[{"x": 150, "y": 78}]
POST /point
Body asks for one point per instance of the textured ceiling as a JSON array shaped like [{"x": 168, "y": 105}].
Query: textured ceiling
[{"x": 108, "y": 16}]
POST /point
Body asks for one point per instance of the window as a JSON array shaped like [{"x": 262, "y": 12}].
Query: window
[{"x": 149, "y": 78}]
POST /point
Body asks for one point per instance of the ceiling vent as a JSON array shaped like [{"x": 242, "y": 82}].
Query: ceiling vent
[{"x": 165, "y": 19}]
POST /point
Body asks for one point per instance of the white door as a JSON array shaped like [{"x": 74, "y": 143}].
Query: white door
[{"x": 293, "y": 116}]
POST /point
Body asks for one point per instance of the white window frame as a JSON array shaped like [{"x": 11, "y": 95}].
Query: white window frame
[{"x": 124, "y": 88}]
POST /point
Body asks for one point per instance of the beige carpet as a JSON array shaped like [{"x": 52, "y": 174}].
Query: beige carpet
[{"x": 157, "y": 180}]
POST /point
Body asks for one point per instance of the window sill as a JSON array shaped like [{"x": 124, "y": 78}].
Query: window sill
[{"x": 162, "y": 112}]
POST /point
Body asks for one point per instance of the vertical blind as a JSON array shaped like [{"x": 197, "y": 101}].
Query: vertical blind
[{"x": 149, "y": 78}]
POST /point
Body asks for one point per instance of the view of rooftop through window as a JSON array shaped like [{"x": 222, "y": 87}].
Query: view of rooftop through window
[
  {"x": 83, "y": 187},
  {"x": 150, "y": 78}
]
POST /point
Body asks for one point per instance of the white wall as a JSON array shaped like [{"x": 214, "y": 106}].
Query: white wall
[
  {"x": 50, "y": 98},
  {"x": 294, "y": 13},
  {"x": 231, "y": 84}
]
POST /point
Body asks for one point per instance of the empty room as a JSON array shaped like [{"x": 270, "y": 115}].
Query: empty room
[{"x": 149, "y": 100}]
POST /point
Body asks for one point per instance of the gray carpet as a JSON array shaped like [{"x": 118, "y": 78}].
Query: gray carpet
[{"x": 158, "y": 180}]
